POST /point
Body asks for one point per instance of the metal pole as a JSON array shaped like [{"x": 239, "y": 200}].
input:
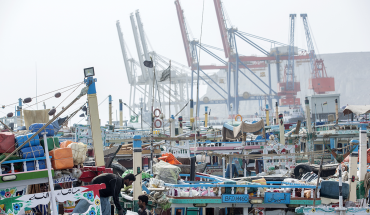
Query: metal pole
[
  {"x": 141, "y": 113},
  {"x": 336, "y": 111},
  {"x": 315, "y": 116},
  {"x": 51, "y": 181},
  {"x": 223, "y": 167},
  {"x": 152, "y": 117}
]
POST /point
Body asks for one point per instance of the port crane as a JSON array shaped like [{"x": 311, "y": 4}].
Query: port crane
[
  {"x": 319, "y": 80},
  {"x": 289, "y": 87}
]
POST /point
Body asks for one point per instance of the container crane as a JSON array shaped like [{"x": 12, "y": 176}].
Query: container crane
[
  {"x": 150, "y": 74},
  {"x": 144, "y": 70},
  {"x": 129, "y": 68},
  {"x": 289, "y": 87},
  {"x": 319, "y": 80}
]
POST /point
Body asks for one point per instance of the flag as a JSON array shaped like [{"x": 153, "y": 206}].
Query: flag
[
  {"x": 165, "y": 74},
  {"x": 325, "y": 103},
  {"x": 148, "y": 63},
  {"x": 134, "y": 119}
]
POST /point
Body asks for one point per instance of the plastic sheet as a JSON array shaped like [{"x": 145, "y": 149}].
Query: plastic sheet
[
  {"x": 155, "y": 183},
  {"x": 166, "y": 172},
  {"x": 36, "y": 126},
  {"x": 7, "y": 142},
  {"x": 61, "y": 158}
]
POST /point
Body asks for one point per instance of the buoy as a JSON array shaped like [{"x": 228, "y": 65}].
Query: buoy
[
  {"x": 155, "y": 123},
  {"x": 27, "y": 100},
  {"x": 157, "y": 111},
  {"x": 237, "y": 116},
  {"x": 9, "y": 114},
  {"x": 57, "y": 95},
  {"x": 52, "y": 112}
]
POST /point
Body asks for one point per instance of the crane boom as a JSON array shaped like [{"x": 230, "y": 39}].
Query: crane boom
[
  {"x": 222, "y": 26},
  {"x": 310, "y": 47},
  {"x": 138, "y": 48},
  {"x": 184, "y": 32},
  {"x": 319, "y": 80},
  {"x": 143, "y": 40},
  {"x": 124, "y": 54}
]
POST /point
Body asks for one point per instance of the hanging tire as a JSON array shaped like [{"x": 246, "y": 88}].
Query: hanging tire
[
  {"x": 157, "y": 110},
  {"x": 160, "y": 123},
  {"x": 301, "y": 169},
  {"x": 118, "y": 169}
]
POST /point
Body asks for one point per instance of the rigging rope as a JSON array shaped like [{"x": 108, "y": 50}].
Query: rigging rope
[
  {"x": 48, "y": 98},
  {"x": 44, "y": 94},
  {"x": 70, "y": 94},
  {"x": 103, "y": 101}
]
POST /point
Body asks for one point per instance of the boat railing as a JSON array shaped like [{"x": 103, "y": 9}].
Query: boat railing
[
  {"x": 24, "y": 161},
  {"x": 208, "y": 186}
]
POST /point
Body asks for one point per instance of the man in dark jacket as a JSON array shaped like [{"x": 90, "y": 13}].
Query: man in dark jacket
[{"x": 114, "y": 184}]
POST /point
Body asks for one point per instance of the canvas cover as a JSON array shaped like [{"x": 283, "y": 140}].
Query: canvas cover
[
  {"x": 35, "y": 116},
  {"x": 243, "y": 127},
  {"x": 356, "y": 109}
]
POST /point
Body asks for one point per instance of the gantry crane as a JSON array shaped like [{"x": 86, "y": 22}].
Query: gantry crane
[
  {"x": 319, "y": 80},
  {"x": 289, "y": 87}
]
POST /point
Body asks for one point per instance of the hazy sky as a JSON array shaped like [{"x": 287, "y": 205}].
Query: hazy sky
[{"x": 61, "y": 38}]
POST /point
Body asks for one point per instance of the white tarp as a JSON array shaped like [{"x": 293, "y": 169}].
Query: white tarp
[{"x": 357, "y": 109}]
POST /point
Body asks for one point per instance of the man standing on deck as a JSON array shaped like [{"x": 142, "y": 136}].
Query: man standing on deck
[{"x": 114, "y": 184}]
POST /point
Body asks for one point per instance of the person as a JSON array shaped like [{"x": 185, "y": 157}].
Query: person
[
  {"x": 41, "y": 209},
  {"x": 114, "y": 184},
  {"x": 143, "y": 202}
]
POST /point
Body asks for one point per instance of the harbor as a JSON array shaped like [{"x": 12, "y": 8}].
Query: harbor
[{"x": 127, "y": 109}]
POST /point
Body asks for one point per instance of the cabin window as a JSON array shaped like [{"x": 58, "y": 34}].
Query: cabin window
[{"x": 318, "y": 147}]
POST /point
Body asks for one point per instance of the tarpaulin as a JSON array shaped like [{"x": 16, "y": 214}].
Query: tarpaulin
[
  {"x": 35, "y": 116},
  {"x": 356, "y": 109}
]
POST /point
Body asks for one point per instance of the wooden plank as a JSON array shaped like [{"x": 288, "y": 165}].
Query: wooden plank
[{"x": 157, "y": 138}]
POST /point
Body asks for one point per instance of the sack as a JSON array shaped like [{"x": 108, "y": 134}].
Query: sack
[
  {"x": 79, "y": 152},
  {"x": 65, "y": 144},
  {"x": 61, "y": 158},
  {"x": 166, "y": 172},
  {"x": 36, "y": 126},
  {"x": 53, "y": 142},
  {"x": 7, "y": 142},
  {"x": 32, "y": 152},
  {"x": 31, "y": 165},
  {"x": 23, "y": 138}
]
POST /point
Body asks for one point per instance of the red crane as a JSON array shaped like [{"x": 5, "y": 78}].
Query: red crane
[{"x": 319, "y": 80}]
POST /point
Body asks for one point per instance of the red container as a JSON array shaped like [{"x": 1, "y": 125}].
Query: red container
[{"x": 7, "y": 142}]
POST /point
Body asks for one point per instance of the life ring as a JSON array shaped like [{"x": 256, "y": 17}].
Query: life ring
[
  {"x": 160, "y": 123},
  {"x": 155, "y": 112},
  {"x": 236, "y": 117}
]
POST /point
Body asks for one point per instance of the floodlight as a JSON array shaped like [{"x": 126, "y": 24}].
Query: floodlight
[{"x": 89, "y": 72}]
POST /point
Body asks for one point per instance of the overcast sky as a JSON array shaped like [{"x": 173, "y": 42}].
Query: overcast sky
[{"x": 60, "y": 38}]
